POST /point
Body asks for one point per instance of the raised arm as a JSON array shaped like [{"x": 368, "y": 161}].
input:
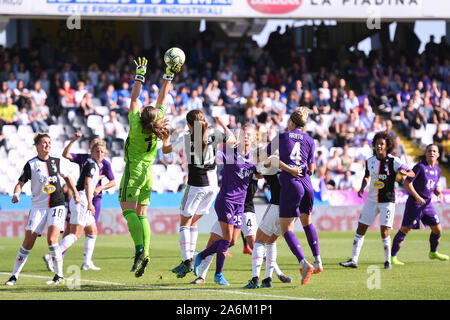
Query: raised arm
[
  {"x": 231, "y": 137},
  {"x": 139, "y": 80},
  {"x": 66, "y": 152}
]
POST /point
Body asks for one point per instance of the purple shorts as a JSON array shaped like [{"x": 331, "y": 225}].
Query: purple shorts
[
  {"x": 414, "y": 213},
  {"x": 228, "y": 212},
  {"x": 296, "y": 196}
]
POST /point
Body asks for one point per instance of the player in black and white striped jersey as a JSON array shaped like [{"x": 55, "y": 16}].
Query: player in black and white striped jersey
[
  {"x": 47, "y": 204},
  {"x": 200, "y": 145},
  {"x": 82, "y": 212}
]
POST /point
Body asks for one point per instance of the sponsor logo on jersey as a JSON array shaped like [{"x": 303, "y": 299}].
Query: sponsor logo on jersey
[
  {"x": 48, "y": 189},
  {"x": 378, "y": 184},
  {"x": 275, "y": 6}
]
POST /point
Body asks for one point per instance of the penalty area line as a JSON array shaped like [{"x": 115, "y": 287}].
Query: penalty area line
[{"x": 234, "y": 292}]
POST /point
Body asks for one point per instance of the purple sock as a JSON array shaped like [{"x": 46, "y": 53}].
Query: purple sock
[
  {"x": 221, "y": 249},
  {"x": 434, "y": 241},
  {"x": 313, "y": 239},
  {"x": 294, "y": 245},
  {"x": 210, "y": 250},
  {"x": 397, "y": 243}
]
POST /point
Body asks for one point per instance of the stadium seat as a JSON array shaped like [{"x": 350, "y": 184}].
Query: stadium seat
[
  {"x": 117, "y": 164},
  {"x": 94, "y": 121},
  {"x": 24, "y": 131},
  {"x": 102, "y": 110},
  {"x": 10, "y": 130},
  {"x": 218, "y": 111},
  {"x": 55, "y": 130},
  {"x": 427, "y": 137},
  {"x": 96, "y": 102}
]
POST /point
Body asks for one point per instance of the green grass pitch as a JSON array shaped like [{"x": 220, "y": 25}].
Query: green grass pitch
[{"x": 419, "y": 279}]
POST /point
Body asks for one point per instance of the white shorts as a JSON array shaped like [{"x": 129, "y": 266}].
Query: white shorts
[
  {"x": 79, "y": 213},
  {"x": 270, "y": 222},
  {"x": 197, "y": 200},
  {"x": 371, "y": 209},
  {"x": 249, "y": 225},
  {"x": 39, "y": 217}
]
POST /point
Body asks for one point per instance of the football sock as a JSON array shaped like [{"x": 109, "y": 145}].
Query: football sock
[
  {"x": 21, "y": 258},
  {"x": 397, "y": 242},
  {"x": 243, "y": 239},
  {"x": 387, "y": 248},
  {"x": 89, "y": 245},
  {"x": 146, "y": 232},
  {"x": 294, "y": 245},
  {"x": 271, "y": 258},
  {"x": 135, "y": 228},
  {"x": 358, "y": 241},
  {"x": 257, "y": 258},
  {"x": 222, "y": 247},
  {"x": 56, "y": 254},
  {"x": 68, "y": 241},
  {"x": 185, "y": 243},
  {"x": 313, "y": 239},
  {"x": 434, "y": 241},
  {"x": 193, "y": 242},
  {"x": 204, "y": 267}
]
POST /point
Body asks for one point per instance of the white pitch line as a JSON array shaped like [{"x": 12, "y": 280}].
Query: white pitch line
[{"x": 252, "y": 293}]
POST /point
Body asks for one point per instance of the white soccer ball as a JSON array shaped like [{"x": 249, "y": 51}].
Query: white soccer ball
[{"x": 174, "y": 56}]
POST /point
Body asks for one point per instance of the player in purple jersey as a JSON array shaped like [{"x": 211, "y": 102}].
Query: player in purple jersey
[
  {"x": 237, "y": 173},
  {"x": 296, "y": 149},
  {"x": 419, "y": 207},
  {"x": 105, "y": 171}
]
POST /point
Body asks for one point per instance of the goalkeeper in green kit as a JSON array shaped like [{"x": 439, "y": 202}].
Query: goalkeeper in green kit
[{"x": 146, "y": 126}]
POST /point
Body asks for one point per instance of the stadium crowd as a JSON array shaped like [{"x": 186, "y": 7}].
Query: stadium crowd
[{"x": 351, "y": 96}]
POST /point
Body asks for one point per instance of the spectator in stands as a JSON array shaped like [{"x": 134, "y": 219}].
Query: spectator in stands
[
  {"x": 439, "y": 113},
  {"x": 124, "y": 95},
  {"x": 248, "y": 86},
  {"x": 22, "y": 96},
  {"x": 346, "y": 182},
  {"x": 346, "y": 158},
  {"x": 351, "y": 103},
  {"x": 37, "y": 117},
  {"x": 113, "y": 129},
  {"x": 212, "y": 93},
  {"x": 321, "y": 105},
  {"x": 110, "y": 97},
  {"x": 412, "y": 118},
  {"x": 334, "y": 163},
  {"x": 12, "y": 81},
  {"x": 364, "y": 152},
  {"x": 331, "y": 184},
  {"x": 292, "y": 102},
  {"x": 67, "y": 100},
  {"x": 23, "y": 74},
  {"x": 38, "y": 95},
  {"x": 23, "y": 117},
  {"x": 335, "y": 102},
  {"x": 5, "y": 93},
  {"x": 68, "y": 75},
  {"x": 194, "y": 101},
  {"x": 367, "y": 115},
  {"x": 93, "y": 74},
  {"x": 230, "y": 99},
  {"x": 8, "y": 113},
  {"x": 399, "y": 150}
]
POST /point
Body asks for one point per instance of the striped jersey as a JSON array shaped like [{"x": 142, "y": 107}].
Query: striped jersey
[
  {"x": 382, "y": 177},
  {"x": 44, "y": 176},
  {"x": 90, "y": 170}
]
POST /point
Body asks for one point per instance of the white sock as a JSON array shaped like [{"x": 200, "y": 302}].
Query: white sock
[
  {"x": 387, "y": 248},
  {"x": 185, "y": 242},
  {"x": 204, "y": 266},
  {"x": 193, "y": 242},
  {"x": 67, "y": 242},
  {"x": 89, "y": 245},
  {"x": 271, "y": 259},
  {"x": 358, "y": 241},
  {"x": 277, "y": 269},
  {"x": 56, "y": 254},
  {"x": 257, "y": 258},
  {"x": 21, "y": 258}
]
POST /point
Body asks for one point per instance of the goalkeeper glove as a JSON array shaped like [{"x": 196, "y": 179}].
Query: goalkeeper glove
[
  {"x": 170, "y": 72},
  {"x": 141, "y": 69}
]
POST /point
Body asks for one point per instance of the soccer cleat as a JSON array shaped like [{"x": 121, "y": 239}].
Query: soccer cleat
[
  {"x": 48, "y": 262},
  {"x": 220, "y": 279},
  {"x": 11, "y": 281},
  {"x": 56, "y": 280},
  {"x": 306, "y": 273},
  {"x": 437, "y": 255},
  {"x": 247, "y": 250},
  {"x": 90, "y": 266},
  {"x": 318, "y": 268},
  {"x": 141, "y": 268},
  {"x": 199, "y": 280},
  {"x": 252, "y": 284},
  {"x": 138, "y": 258},
  {"x": 284, "y": 278},
  {"x": 178, "y": 267},
  {"x": 387, "y": 265},
  {"x": 349, "y": 264},
  {"x": 185, "y": 269},
  {"x": 267, "y": 283},
  {"x": 395, "y": 261},
  {"x": 198, "y": 261}
]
